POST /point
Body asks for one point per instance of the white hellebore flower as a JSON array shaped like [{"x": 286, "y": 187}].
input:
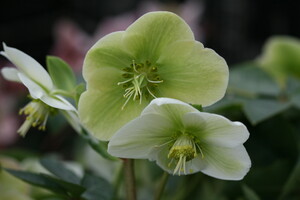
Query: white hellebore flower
[
  {"x": 183, "y": 140},
  {"x": 40, "y": 86}
]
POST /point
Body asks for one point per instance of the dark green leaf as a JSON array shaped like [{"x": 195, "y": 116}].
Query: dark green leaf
[
  {"x": 249, "y": 80},
  {"x": 97, "y": 188},
  {"x": 73, "y": 190},
  {"x": 198, "y": 107},
  {"x": 249, "y": 193},
  {"x": 293, "y": 182},
  {"x": 38, "y": 180},
  {"x": 61, "y": 73},
  {"x": 296, "y": 100},
  {"x": 258, "y": 110},
  {"x": 59, "y": 169}
]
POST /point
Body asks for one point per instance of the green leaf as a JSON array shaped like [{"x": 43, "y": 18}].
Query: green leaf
[
  {"x": 97, "y": 188},
  {"x": 61, "y": 73},
  {"x": 258, "y": 110},
  {"x": 40, "y": 180},
  {"x": 59, "y": 169},
  {"x": 198, "y": 107},
  {"x": 249, "y": 193},
  {"x": 292, "y": 183},
  {"x": 73, "y": 189},
  {"x": 249, "y": 80}
]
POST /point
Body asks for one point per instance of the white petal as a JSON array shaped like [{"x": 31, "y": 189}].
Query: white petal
[
  {"x": 226, "y": 163},
  {"x": 170, "y": 108},
  {"x": 140, "y": 137},
  {"x": 28, "y": 65},
  {"x": 10, "y": 74},
  {"x": 35, "y": 90},
  {"x": 215, "y": 129},
  {"x": 56, "y": 101}
]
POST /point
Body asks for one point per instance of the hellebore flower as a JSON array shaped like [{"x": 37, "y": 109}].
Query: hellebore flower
[
  {"x": 183, "y": 140},
  {"x": 281, "y": 58},
  {"x": 37, "y": 80},
  {"x": 157, "y": 56}
]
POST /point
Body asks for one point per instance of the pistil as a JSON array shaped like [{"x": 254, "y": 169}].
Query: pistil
[{"x": 141, "y": 82}]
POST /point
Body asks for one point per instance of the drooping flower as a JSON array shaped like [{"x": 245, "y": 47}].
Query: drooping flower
[
  {"x": 157, "y": 56},
  {"x": 37, "y": 80},
  {"x": 183, "y": 140}
]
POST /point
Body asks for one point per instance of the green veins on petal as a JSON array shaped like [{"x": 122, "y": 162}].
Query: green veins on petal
[
  {"x": 185, "y": 143},
  {"x": 156, "y": 56}
]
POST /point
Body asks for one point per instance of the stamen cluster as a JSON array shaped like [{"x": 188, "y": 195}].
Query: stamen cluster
[
  {"x": 37, "y": 114},
  {"x": 184, "y": 149},
  {"x": 141, "y": 81}
]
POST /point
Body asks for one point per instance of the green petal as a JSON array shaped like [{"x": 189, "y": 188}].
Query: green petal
[
  {"x": 28, "y": 66},
  {"x": 200, "y": 78},
  {"x": 170, "y": 108},
  {"x": 107, "y": 52},
  {"x": 140, "y": 137},
  {"x": 215, "y": 129},
  {"x": 102, "y": 114},
  {"x": 150, "y": 34},
  {"x": 225, "y": 163},
  {"x": 281, "y": 57},
  {"x": 193, "y": 166},
  {"x": 105, "y": 78}
]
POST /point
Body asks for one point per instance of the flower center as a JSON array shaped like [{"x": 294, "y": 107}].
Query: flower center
[
  {"x": 37, "y": 114},
  {"x": 183, "y": 150},
  {"x": 141, "y": 81}
]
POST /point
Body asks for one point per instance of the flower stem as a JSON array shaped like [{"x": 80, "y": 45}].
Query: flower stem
[
  {"x": 129, "y": 179},
  {"x": 161, "y": 186}
]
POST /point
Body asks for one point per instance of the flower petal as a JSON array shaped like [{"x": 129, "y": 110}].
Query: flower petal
[
  {"x": 215, "y": 129},
  {"x": 10, "y": 74},
  {"x": 200, "y": 78},
  {"x": 104, "y": 79},
  {"x": 57, "y": 101},
  {"x": 170, "y": 108},
  {"x": 35, "y": 90},
  {"x": 28, "y": 66},
  {"x": 148, "y": 36},
  {"x": 107, "y": 52},
  {"x": 141, "y": 136},
  {"x": 102, "y": 114},
  {"x": 225, "y": 163}
]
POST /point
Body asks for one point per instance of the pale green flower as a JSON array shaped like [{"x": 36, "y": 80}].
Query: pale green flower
[
  {"x": 183, "y": 140},
  {"x": 281, "y": 58},
  {"x": 157, "y": 56},
  {"x": 37, "y": 80}
]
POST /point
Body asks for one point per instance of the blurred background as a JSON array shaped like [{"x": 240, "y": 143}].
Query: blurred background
[{"x": 235, "y": 29}]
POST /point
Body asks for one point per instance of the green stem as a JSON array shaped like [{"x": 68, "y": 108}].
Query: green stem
[
  {"x": 117, "y": 182},
  {"x": 129, "y": 179},
  {"x": 161, "y": 186}
]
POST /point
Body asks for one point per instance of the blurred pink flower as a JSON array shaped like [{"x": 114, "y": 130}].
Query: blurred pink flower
[{"x": 72, "y": 43}]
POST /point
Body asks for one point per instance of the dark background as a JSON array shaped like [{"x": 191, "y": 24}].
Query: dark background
[{"x": 236, "y": 29}]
